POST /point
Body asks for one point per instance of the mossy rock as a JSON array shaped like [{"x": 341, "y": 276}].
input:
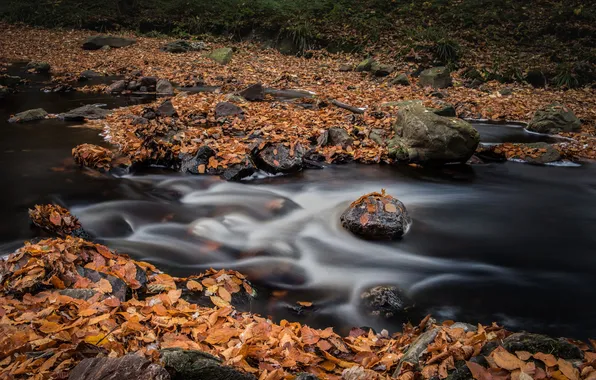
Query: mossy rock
[
  {"x": 437, "y": 77},
  {"x": 366, "y": 65},
  {"x": 223, "y": 56},
  {"x": 554, "y": 118},
  {"x": 534, "y": 343}
]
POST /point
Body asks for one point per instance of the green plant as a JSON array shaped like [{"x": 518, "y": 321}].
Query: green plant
[
  {"x": 446, "y": 51},
  {"x": 566, "y": 77}
]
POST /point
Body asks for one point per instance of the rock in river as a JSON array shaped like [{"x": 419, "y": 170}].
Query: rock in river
[
  {"x": 39, "y": 67},
  {"x": 97, "y": 42},
  {"x": 424, "y": 137},
  {"x": 129, "y": 367},
  {"x": 554, "y": 118},
  {"x": 278, "y": 158},
  {"x": 377, "y": 216},
  {"x": 29, "y": 115},
  {"x": 117, "y": 87},
  {"x": 385, "y": 301},
  {"x": 86, "y": 112},
  {"x": 241, "y": 170},
  {"x": 437, "y": 77}
]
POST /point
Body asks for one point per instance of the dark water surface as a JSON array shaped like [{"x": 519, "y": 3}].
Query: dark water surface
[{"x": 511, "y": 242}]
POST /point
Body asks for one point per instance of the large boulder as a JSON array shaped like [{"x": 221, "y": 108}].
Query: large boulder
[
  {"x": 86, "y": 112},
  {"x": 377, "y": 216},
  {"x": 534, "y": 343},
  {"x": 425, "y": 137},
  {"x": 554, "y": 118},
  {"x": 39, "y": 67},
  {"x": 129, "y": 367},
  {"x": 29, "y": 115},
  {"x": 198, "y": 365},
  {"x": 97, "y": 42},
  {"x": 223, "y": 56},
  {"x": 279, "y": 158},
  {"x": 437, "y": 77},
  {"x": 182, "y": 46}
]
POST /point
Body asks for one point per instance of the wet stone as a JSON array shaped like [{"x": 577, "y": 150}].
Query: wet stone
[
  {"x": 117, "y": 87},
  {"x": 385, "y": 301},
  {"x": 196, "y": 164},
  {"x": 278, "y": 158},
  {"x": 535, "y": 343},
  {"x": 29, "y": 115},
  {"x": 377, "y": 217},
  {"x": 242, "y": 170}
]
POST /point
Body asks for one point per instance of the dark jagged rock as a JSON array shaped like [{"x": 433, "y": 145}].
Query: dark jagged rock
[
  {"x": 336, "y": 136},
  {"x": 238, "y": 171},
  {"x": 437, "y": 77},
  {"x": 164, "y": 87},
  {"x": 377, "y": 218},
  {"x": 194, "y": 364},
  {"x": 29, "y": 115},
  {"x": 166, "y": 109},
  {"x": 278, "y": 158},
  {"x": 535, "y": 343},
  {"x": 385, "y": 301},
  {"x": 225, "y": 109},
  {"x": 192, "y": 164},
  {"x": 117, "y": 87},
  {"x": 86, "y": 112},
  {"x": 400, "y": 80},
  {"x": 254, "y": 93},
  {"x": 119, "y": 287},
  {"x": 97, "y": 42},
  {"x": 129, "y": 367},
  {"x": 554, "y": 118},
  {"x": 39, "y": 67},
  {"x": 422, "y": 136},
  {"x": 182, "y": 46}
]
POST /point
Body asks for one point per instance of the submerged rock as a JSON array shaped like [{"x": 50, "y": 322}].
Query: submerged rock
[
  {"x": 385, "y": 301},
  {"x": 254, "y": 93},
  {"x": 39, "y": 67},
  {"x": 377, "y": 216},
  {"x": 223, "y": 56},
  {"x": 129, "y": 367},
  {"x": 98, "y": 42},
  {"x": 182, "y": 46},
  {"x": 437, "y": 77},
  {"x": 86, "y": 112},
  {"x": 29, "y": 115},
  {"x": 278, "y": 158},
  {"x": 535, "y": 343},
  {"x": 193, "y": 364},
  {"x": 424, "y": 137},
  {"x": 554, "y": 118}
]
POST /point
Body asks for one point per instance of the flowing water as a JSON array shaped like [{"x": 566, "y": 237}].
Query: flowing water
[{"x": 505, "y": 242}]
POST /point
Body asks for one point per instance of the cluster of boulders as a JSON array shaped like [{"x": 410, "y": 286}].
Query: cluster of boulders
[{"x": 141, "y": 84}]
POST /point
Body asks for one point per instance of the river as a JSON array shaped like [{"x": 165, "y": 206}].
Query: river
[{"x": 505, "y": 242}]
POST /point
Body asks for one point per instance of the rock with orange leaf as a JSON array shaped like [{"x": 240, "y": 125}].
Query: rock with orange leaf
[{"x": 377, "y": 216}]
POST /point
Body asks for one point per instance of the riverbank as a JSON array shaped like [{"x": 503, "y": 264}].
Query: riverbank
[{"x": 66, "y": 299}]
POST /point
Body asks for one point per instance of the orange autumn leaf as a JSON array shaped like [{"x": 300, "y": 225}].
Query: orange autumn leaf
[
  {"x": 547, "y": 359},
  {"x": 308, "y": 335},
  {"x": 364, "y": 219},
  {"x": 390, "y": 207},
  {"x": 505, "y": 360},
  {"x": 193, "y": 285}
]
